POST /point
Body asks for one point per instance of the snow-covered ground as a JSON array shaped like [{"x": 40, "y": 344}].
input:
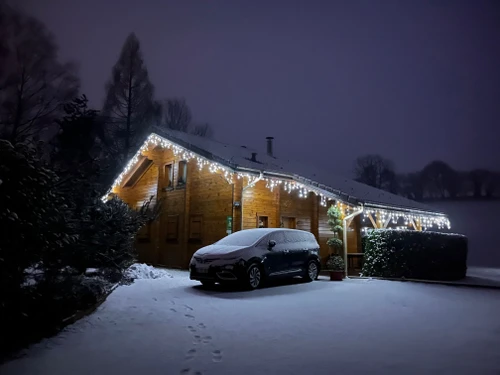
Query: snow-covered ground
[
  {"x": 477, "y": 220},
  {"x": 173, "y": 326}
]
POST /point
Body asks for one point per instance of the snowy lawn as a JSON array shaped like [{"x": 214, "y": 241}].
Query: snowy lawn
[{"x": 173, "y": 326}]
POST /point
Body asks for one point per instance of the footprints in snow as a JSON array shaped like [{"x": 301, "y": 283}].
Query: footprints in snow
[
  {"x": 217, "y": 355},
  {"x": 187, "y": 371},
  {"x": 197, "y": 339},
  {"x": 206, "y": 339},
  {"x": 190, "y": 354}
]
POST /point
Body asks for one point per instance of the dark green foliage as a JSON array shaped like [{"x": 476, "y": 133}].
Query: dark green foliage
[
  {"x": 107, "y": 235},
  {"x": 32, "y": 212},
  {"x": 80, "y": 129},
  {"x": 35, "y": 232},
  {"x": 335, "y": 263},
  {"x": 53, "y": 229},
  {"x": 416, "y": 255},
  {"x": 335, "y": 224},
  {"x": 335, "y": 243}
]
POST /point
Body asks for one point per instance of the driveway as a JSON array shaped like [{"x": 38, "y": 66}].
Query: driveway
[{"x": 173, "y": 326}]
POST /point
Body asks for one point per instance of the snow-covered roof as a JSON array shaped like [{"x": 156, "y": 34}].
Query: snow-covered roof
[{"x": 240, "y": 158}]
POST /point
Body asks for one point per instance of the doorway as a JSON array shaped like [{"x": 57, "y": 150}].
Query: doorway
[{"x": 289, "y": 222}]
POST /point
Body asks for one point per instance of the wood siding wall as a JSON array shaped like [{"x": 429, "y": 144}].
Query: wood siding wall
[
  {"x": 211, "y": 199},
  {"x": 143, "y": 189},
  {"x": 258, "y": 200}
]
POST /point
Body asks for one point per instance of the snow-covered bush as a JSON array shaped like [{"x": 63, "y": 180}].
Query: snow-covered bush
[{"x": 413, "y": 254}]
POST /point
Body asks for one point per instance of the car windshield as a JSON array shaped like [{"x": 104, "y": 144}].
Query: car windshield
[{"x": 242, "y": 238}]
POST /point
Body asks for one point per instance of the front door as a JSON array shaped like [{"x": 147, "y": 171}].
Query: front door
[{"x": 276, "y": 261}]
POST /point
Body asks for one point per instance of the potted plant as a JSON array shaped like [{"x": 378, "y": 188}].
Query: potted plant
[
  {"x": 336, "y": 226},
  {"x": 336, "y": 267},
  {"x": 335, "y": 263}
]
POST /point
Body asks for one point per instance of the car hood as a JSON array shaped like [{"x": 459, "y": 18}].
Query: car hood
[{"x": 220, "y": 250}]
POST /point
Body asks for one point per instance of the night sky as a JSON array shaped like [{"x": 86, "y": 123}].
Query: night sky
[{"x": 330, "y": 80}]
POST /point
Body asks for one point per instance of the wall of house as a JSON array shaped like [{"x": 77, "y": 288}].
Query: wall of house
[
  {"x": 259, "y": 201},
  {"x": 211, "y": 202},
  {"x": 354, "y": 235},
  {"x": 296, "y": 212},
  {"x": 170, "y": 237}
]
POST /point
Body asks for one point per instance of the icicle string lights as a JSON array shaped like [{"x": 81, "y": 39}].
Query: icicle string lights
[
  {"x": 410, "y": 219},
  {"x": 426, "y": 221}
]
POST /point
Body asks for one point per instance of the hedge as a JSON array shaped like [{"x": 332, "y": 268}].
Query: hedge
[{"x": 414, "y": 255}]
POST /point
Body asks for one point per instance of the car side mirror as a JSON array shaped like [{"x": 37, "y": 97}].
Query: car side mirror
[{"x": 271, "y": 244}]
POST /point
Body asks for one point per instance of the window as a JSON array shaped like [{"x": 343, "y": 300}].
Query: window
[
  {"x": 277, "y": 236},
  {"x": 144, "y": 234},
  {"x": 169, "y": 176},
  {"x": 289, "y": 222},
  {"x": 172, "y": 227},
  {"x": 292, "y": 236},
  {"x": 182, "y": 173},
  {"x": 262, "y": 222},
  {"x": 195, "y": 227}
]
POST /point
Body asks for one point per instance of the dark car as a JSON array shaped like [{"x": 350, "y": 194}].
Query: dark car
[{"x": 252, "y": 256}]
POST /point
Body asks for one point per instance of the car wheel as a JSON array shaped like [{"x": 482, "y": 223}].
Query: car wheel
[
  {"x": 312, "y": 271},
  {"x": 207, "y": 283},
  {"x": 254, "y": 277}
]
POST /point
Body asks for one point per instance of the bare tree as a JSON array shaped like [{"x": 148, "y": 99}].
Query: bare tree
[
  {"x": 129, "y": 104},
  {"x": 176, "y": 114},
  {"x": 202, "y": 130},
  {"x": 34, "y": 85},
  {"x": 480, "y": 179},
  {"x": 411, "y": 185},
  {"x": 376, "y": 171},
  {"x": 440, "y": 180}
]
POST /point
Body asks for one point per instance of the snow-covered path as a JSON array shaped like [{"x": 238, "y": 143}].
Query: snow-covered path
[{"x": 172, "y": 326}]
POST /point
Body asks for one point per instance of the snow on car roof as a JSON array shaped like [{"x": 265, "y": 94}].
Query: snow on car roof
[{"x": 240, "y": 157}]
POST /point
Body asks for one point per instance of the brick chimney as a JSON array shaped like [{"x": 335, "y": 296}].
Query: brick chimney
[{"x": 270, "y": 146}]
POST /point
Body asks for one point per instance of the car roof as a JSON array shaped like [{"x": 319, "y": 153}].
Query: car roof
[{"x": 270, "y": 230}]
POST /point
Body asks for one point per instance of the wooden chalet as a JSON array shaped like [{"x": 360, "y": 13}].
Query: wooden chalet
[{"x": 210, "y": 189}]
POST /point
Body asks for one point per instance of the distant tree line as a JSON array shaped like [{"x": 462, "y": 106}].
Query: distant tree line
[{"x": 436, "y": 181}]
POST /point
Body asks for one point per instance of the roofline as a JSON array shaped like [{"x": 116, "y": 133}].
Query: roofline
[
  {"x": 401, "y": 208},
  {"x": 328, "y": 191}
]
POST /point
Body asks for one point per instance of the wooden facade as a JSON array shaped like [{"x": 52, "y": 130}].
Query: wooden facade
[{"x": 198, "y": 205}]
